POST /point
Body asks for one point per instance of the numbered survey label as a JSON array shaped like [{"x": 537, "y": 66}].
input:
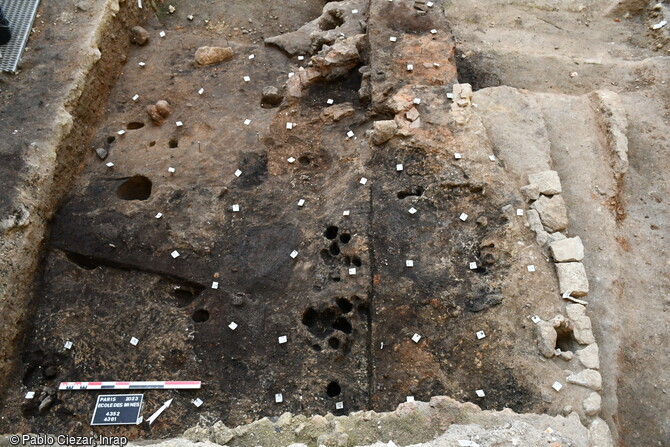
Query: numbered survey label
[{"x": 117, "y": 409}]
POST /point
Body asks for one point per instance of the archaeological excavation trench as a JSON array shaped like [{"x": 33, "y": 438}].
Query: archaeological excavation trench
[{"x": 321, "y": 218}]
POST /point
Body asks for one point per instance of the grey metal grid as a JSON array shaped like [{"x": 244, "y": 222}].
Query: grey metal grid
[{"x": 20, "y": 14}]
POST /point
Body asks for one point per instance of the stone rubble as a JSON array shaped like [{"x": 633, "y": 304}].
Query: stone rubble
[
  {"x": 213, "y": 55},
  {"x": 567, "y": 250}
]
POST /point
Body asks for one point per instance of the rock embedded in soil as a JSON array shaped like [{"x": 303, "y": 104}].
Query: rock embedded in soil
[
  {"x": 567, "y": 250},
  {"x": 589, "y": 378},
  {"x": 271, "y": 96},
  {"x": 589, "y": 356},
  {"x": 553, "y": 213},
  {"x": 547, "y": 182},
  {"x": 572, "y": 278},
  {"x": 101, "y": 153},
  {"x": 383, "y": 131},
  {"x": 139, "y": 36},
  {"x": 337, "y": 112},
  {"x": 592, "y": 404},
  {"x": 213, "y": 55},
  {"x": 159, "y": 112}
]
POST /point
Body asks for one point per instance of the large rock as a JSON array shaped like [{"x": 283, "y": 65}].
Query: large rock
[
  {"x": 567, "y": 250},
  {"x": 159, "y": 112},
  {"x": 599, "y": 434},
  {"x": 572, "y": 278},
  {"x": 592, "y": 404},
  {"x": 213, "y": 55},
  {"x": 553, "y": 212},
  {"x": 589, "y": 356},
  {"x": 530, "y": 192},
  {"x": 337, "y": 112},
  {"x": 589, "y": 378},
  {"x": 383, "y": 131},
  {"x": 546, "y": 338},
  {"x": 271, "y": 96},
  {"x": 547, "y": 182},
  {"x": 138, "y": 35}
]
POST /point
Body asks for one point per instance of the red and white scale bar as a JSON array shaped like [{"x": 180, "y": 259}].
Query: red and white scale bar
[{"x": 188, "y": 385}]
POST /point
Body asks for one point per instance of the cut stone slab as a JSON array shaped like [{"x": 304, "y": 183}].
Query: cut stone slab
[
  {"x": 553, "y": 213},
  {"x": 592, "y": 404},
  {"x": 547, "y": 182},
  {"x": 589, "y": 378},
  {"x": 572, "y": 278},
  {"x": 546, "y": 338},
  {"x": 589, "y": 356},
  {"x": 530, "y": 192},
  {"x": 582, "y": 330},
  {"x": 567, "y": 250},
  {"x": 213, "y": 55},
  {"x": 384, "y": 130}
]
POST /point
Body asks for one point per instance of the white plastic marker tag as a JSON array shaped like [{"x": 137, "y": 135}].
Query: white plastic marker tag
[
  {"x": 409, "y": 263},
  {"x": 450, "y": 95},
  {"x": 535, "y": 319},
  {"x": 247, "y": 79},
  {"x": 416, "y": 101},
  {"x": 232, "y": 325},
  {"x": 139, "y": 4},
  {"x": 283, "y": 339},
  {"x": 236, "y": 208},
  {"x": 136, "y": 97},
  {"x": 481, "y": 335},
  {"x": 30, "y": 394},
  {"x": 467, "y": 443},
  {"x": 345, "y": 212},
  {"x": 294, "y": 254},
  {"x": 175, "y": 254},
  {"x": 121, "y": 132},
  {"x": 179, "y": 124},
  {"x": 197, "y": 402},
  {"x": 330, "y": 101},
  {"x": 492, "y": 157},
  {"x": 480, "y": 393},
  {"x": 399, "y": 167},
  {"x": 291, "y": 160},
  {"x": 429, "y": 4},
  {"x": 162, "y": 34},
  {"x": 531, "y": 268},
  {"x": 215, "y": 285},
  {"x": 350, "y": 134},
  {"x": 68, "y": 345},
  {"x": 251, "y": 56},
  {"x": 279, "y": 398},
  {"x": 433, "y": 31},
  {"x": 473, "y": 265},
  {"x": 354, "y": 11},
  {"x": 238, "y": 173},
  {"x": 301, "y": 58},
  {"x": 393, "y": 39},
  {"x": 363, "y": 180},
  {"x": 519, "y": 212},
  {"x": 247, "y": 122},
  {"x": 171, "y": 170},
  {"x": 410, "y": 399},
  {"x": 416, "y": 338},
  {"x": 301, "y": 202},
  {"x": 557, "y": 386},
  {"x": 201, "y": 91},
  {"x": 412, "y": 210},
  {"x": 109, "y": 164},
  {"x": 549, "y": 430},
  {"x": 291, "y": 74},
  {"x": 463, "y": 217},
  {"x": 289, "y": 126},
  {"x": 142, "y": 64},
  {"x": 159, "y": 215},
  {"x": 352, "y": 271},
  {"x": 134, "y": 341},
  {"x": 339, "y": 405},
  {"x": 410, "y": 67},
  {"x": 457, "y": 156}
]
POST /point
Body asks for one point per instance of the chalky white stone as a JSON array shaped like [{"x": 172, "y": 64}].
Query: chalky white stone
[
  {"x": 142, "y": 64},
  {"x": 345, "y": 212},
  {"x": 251, "y": 56},
  {"x": 289, "y": 126},
  {"x": 535, "y": 319},
  {"x": 433, "y": 31},
  {"x": 354, "y": 11},
  {"x": 291, "y": 74},
  {"x": 492, "y": 157},
  {"x": 416, "y": 101},
  {"x": 301, "y": 58}
]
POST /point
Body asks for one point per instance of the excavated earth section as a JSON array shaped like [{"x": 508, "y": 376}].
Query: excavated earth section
[{"x": 372, "y": 271}]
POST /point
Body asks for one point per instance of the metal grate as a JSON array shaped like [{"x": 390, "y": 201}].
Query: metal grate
[{"x": 20, "y": 14}]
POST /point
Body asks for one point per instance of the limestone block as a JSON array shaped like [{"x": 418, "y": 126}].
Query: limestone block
[
  {"x": 589, "y": 378},
  {"x": 582, "y": 331},
  {"x": 589, "y": 356},
  {"x": 213, "y": 55},
  {"x": 572, "y": 278},
  {"x": 384, "y": 130},
  {"x": 546, "y": 338},
  {"x": 567, "y": 250},
  {"x": 574, "y": 311},
  {"x": 530, "y": 192},
  {"x": 599, "y": 434},
  {"x": 552, "y": 211},
  {"x": 547, "y": 182}
]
